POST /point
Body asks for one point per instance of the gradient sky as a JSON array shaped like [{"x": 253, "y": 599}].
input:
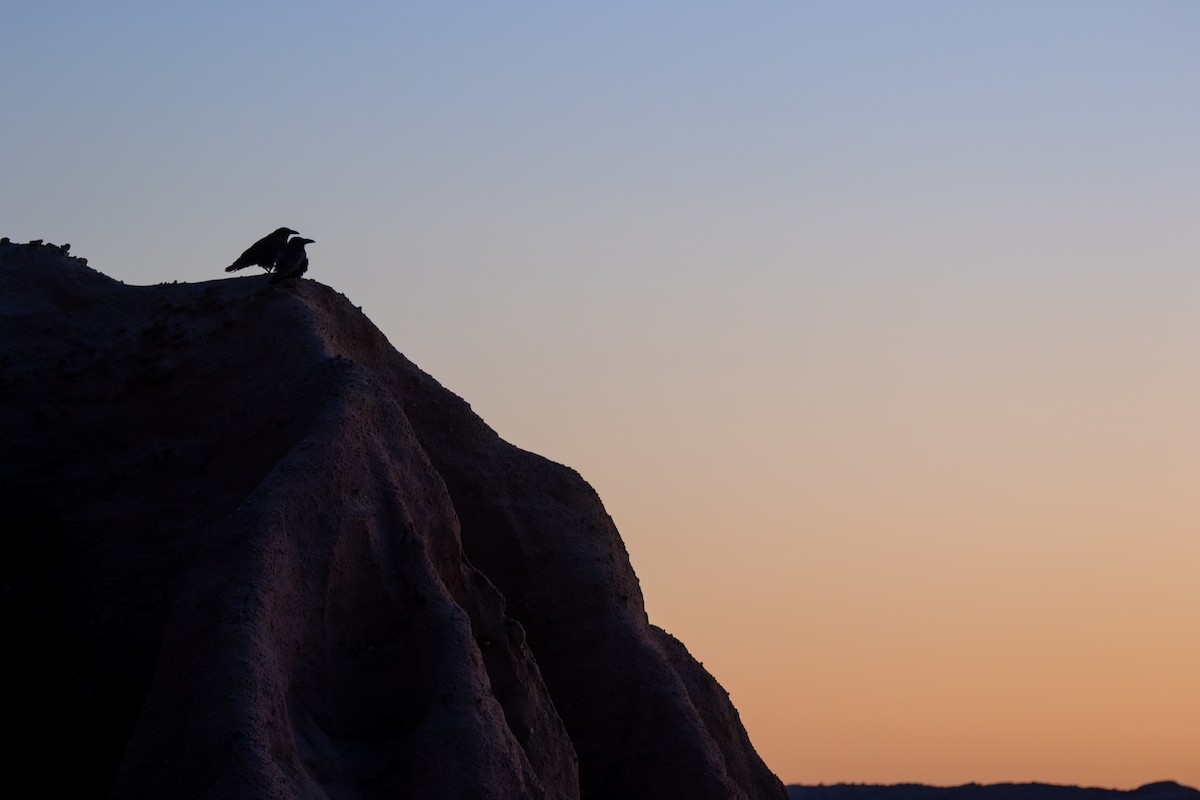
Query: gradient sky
[{"x": 875, "y": 324}]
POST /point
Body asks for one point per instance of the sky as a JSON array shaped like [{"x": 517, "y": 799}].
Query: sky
[{"x": 876, "y": 325}]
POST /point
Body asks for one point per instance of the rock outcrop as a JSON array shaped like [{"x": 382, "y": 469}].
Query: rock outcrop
[{"x": 250, "y": 550}]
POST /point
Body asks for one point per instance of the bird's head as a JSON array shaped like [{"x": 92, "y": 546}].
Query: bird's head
[
  {"x": 304, "y": 241},
  {"x": 284, "y": 231}
]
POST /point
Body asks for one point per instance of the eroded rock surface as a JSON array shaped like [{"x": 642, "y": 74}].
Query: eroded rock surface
[{"x": 251, "y": 550}]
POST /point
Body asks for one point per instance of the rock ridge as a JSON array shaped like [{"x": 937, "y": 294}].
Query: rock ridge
[{"x": 256, "y": 552}]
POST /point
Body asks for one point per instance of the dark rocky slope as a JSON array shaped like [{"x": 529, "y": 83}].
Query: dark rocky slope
[{"x": 250, "y": 550}]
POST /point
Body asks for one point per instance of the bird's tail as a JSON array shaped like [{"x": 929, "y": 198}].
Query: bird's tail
[{"x": 235, "y": 267}]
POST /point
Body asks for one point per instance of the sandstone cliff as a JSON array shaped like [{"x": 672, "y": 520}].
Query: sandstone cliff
[{"x": 250, "y": 550}]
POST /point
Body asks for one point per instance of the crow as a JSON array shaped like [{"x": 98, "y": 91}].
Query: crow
[
  {"x": 263, "y": 253},
  {"x": 293, "y": 261}
]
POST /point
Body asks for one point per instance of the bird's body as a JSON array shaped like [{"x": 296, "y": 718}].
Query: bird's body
[
  {"x": 293, "y": 261},
  {"x": 263, "y": 253}
]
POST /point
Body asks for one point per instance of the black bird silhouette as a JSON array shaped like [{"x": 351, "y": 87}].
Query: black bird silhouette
[
  {"x": 293, "y": 261},
  {"x": 263, "y": 253}
]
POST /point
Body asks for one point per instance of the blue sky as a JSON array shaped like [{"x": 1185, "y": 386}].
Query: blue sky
[
  {"x": 395, "y": 118},
  {"x": 507, "y": 145}
]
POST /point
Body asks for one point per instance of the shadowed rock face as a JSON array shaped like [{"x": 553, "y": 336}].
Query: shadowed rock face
[{"x": 250, "y": 550}]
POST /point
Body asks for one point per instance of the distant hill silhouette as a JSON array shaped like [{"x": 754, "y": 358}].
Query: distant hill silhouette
[{"x": 1165, "y": 790}]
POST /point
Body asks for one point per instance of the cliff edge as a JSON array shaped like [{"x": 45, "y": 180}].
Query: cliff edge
[{"x": 250, "y": 550}]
